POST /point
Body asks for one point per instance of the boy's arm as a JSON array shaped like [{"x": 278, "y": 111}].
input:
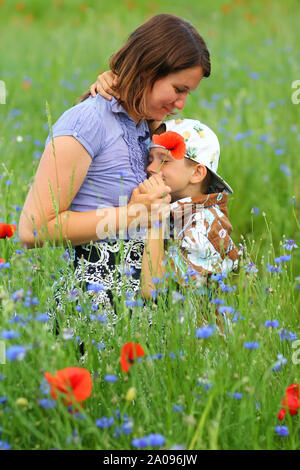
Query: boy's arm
[{"x": 152, "y": 266}]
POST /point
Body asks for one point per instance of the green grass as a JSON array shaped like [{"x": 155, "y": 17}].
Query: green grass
[{"x": 61, "y": 49}]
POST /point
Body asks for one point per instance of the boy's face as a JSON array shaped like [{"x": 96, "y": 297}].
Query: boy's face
[{"x": 175, "y": 173}]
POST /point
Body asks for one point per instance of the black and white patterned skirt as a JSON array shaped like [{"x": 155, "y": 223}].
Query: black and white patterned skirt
[{"x": 113, "y": 267}]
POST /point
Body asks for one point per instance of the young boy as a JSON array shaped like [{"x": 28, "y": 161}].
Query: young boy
[{"x": 198, "y": 209}]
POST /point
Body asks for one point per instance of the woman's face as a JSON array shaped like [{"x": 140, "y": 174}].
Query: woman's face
[{"x": 169, "y": 93}]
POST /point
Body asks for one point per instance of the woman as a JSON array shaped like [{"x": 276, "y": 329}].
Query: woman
[{"x": 100, "y": 156}]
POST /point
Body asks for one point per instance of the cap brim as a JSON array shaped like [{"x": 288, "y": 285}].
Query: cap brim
[{"x": 221, "y": 182}]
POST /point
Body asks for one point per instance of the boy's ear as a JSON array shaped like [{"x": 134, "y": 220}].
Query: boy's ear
[{"x": 200, "y": 172}]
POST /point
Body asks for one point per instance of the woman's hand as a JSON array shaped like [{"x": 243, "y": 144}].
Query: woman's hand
[
  {"x": 150, "y": 201},
  {"x": 104, "y": 85}
]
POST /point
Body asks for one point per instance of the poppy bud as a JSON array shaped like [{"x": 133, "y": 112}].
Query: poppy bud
[{"x": 131, "y": 394}]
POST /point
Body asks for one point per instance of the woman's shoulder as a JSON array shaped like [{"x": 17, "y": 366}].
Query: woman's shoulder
[
  {"x": 87, "y": 121},
  {"x": 97, "y": 107}
]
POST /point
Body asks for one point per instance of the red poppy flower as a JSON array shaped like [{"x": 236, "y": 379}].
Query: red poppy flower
[
  {"x": 171, "y": 141},
  {"x": 74, "y": 382},
  {"x": 130, "y": 351},
  {"x": 10, "y": 230},
  {"x": 290, "y": 402},
  {"x": 7, "y": 230},
  {"x": 3, "y": 230},
  {"x": 2, "y": 260}
]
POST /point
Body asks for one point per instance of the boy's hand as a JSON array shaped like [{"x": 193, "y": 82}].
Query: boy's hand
[
  {"x": 104, "y": 85},
  {"x": 153, "y": 184}
]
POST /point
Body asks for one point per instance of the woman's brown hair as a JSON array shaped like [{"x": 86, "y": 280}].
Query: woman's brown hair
[{"x": 163, "y": 45}]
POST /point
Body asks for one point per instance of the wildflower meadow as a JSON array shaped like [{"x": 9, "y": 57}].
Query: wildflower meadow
[{"x": 188, "y": 371}]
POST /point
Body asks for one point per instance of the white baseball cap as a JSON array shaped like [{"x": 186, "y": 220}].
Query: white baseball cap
[{"x": 202, "y": 146}]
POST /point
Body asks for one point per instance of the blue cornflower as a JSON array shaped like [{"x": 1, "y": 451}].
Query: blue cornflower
[
  {"x": 42, "y": 317},
  {"x": 287, "y": 335},
  {"x": 100, "y": 318},
  {"x": 251, "y": 268},
  {"x": 45, "y": 387},
  {"x": 289, "y": 244},
  {"x": 217, "y": 301},
  {"x": 282, "y": 259},
  {"x": 178, "y": 408},
  {"x": 255, "y": 210},
  {"x": 127, "y": 427},
  {"x": 79, "y": 416},
  {"x": 73, "y": 295},
  {"x": 172, "y": 355},
  {"x": 218, "y": 276},
  {"x": 10, "y": 334},
  {"x": 111, "y": 378},
  {"x": 205, "y": 331},
  {"x": 156, "y": 440},
  {"x": 47, "y": 403},
  {"x": 251, "y": 345},
  {"x": 254, "y": 75},
  {"x": 239, "y": 136},
  {"x": 104, "y": 422},
  {"x": 236, "y": 395},
  {"x": 16, "y": 353},
  {"x": 128, "y": 270},
  {"x": 153, "y": 294},
  {"x": 140, "y": 443},
  {"x": 273, "y": 269},
  {"x": 226, "y": 309},
  {"x": 237, "y": 316},
  {"x": 280, "y": 363},
  {"x": 3, "y": 400},
  {"x": 65, "y": 255},
  {"x": 279, "y": 151},
  {"x": 225, "y": 288},
  {"x": 19, "y": 294},
  {"x": 282, "y": 430},
  {"x": 271, "y": 323},
  {"x": 96, "y": 287},
  {"x": 286, "y": 170},
  {"x": 4, "y": 445},
  {"x": 95, "y": 307}
]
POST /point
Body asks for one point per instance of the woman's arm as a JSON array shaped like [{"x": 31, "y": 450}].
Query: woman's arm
[{"x": 58, "y": 179}]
